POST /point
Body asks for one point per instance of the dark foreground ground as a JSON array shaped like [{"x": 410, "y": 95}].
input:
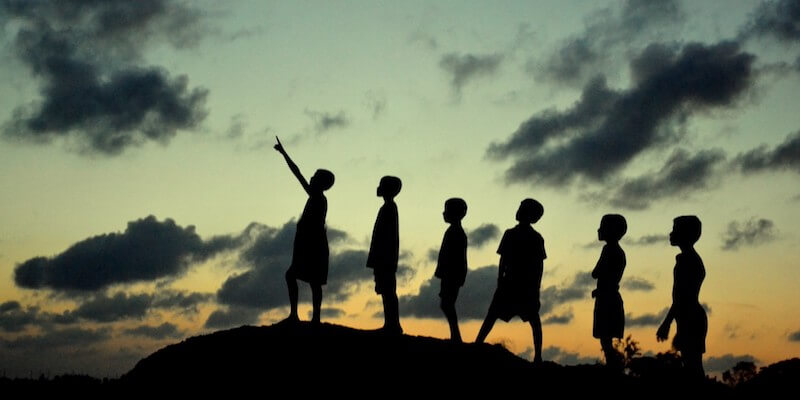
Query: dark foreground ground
[{"x": 301, "y": 359}]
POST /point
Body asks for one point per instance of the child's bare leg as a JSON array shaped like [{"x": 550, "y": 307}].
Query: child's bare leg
[
  {"x": 316, "y": 299},
  {"x": 391, "y": 314},
  {"x": 693, "y": 362},
  {"x": 486, "y": 327},
  {"x": 536, "y": 328},
  {"x": 291, "y": 284},
  {"x": 449, "y": 309},
  {"x": 612, "y": 356}
]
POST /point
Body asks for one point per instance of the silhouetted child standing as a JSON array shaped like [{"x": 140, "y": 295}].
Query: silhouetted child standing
[
  {"x": 384, "y": 251},
  {"x": 520, "y": 277},
  {"x": 451, "y": 267},
  {"x": 686, "y": 310},
  {"x": 310, "y": 255},
  {"x": 609, "y": 313}
]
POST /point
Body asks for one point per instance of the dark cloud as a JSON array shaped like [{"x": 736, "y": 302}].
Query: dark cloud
[
  {"x": 464, "y": 68},
  {"x": 482, "y": 235},
  {"x": 267, "y": 256},
  {"x": 646, "y": 319},
  {"x": 637, "y": 283},
  {"x": 794, "y": 336},
  {"x": 752, "y": 232},
  {"x": 607, "y": 32},
  {"x": 476, "y": 294},
  {"x": 163, "y": 331},
  {"x": 778, "y": 20},
  {"x": 13, "y": 318},
  {"x": 682, "y": 174},
  {"x": 324, "y": 121},
  {"x": 121, "y": 306},
  {"x": 726, "y": 362},
  {"x": 232, "y": 317},
  {"x": 94, "y": 92},
  {"x": 433, "y": 254},
  {"x": 564, "y": 357},
  {"x": 606, "y": 129},
  {"x": 146, "y": 251},
  {"x": 562, "y": 319},
  {"x": 329, "y": 313},
  {"x": 185, "y": 301},
  {"x": 68, "y": 337},
  {"x": 783, "y": 157}
]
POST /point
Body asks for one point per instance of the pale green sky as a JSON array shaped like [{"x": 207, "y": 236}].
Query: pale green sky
[{"x": 276, "y": 67}]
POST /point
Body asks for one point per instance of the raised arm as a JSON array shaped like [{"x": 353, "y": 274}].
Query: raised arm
[{"x": 292, "y": 166}]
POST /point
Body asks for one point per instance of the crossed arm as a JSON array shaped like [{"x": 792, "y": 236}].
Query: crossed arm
[{"x": 292, "y": 166}]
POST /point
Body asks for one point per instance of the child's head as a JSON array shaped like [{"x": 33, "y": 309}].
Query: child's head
[
  {"x": 322, "y": 180},
  {"x": 389, "y": 186},
  {"x": 686, "y": 230},
  {"x": 612, "y": 227},
  {"x": 454, "y": 210},
  {"x": 529, "y": 211}
]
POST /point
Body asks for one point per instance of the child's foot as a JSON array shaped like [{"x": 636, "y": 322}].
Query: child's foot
[
  {"x": 537, "y": 360},
  {"x": 292, "y": 318}
]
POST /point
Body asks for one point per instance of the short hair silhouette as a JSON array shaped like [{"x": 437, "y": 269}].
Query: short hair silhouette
[
  {"x": 323, "y": 178},
  {"x": 456, "y": 207},
  {"x": 530, "y": 211},
  {"x": 689, "y": 228},
  {"x": 615, "y": 226},
  {"x": 390, "y": 186}
]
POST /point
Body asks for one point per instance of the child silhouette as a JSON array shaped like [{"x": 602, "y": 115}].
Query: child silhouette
[
  {"x": 451, "y": 267},
  {"x": 310, "y": 255},
  {"x": 384, "y": 250},
  {"x": 686, "y": 310},
  {"x": 609, "y": 313},
  {"x": 522, "y": 257}
]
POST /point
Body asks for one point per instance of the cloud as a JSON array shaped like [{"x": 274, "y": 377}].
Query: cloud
[
  {"x": 185, "y": 301},
  {"x": 606, "y": 129},
  {"x": 646, "y": 319},
  {"x": 94, "y": 92},
  {"x": 146, "y": 251},
  {"x": 636, "y": 283},
  {"x": 232, "y": 317},
  {"x": 562, "y": 319},
  {"x": 476, "y": 295},
  {"x": 783, "y": 157},
  {"x": 375, "y": 103},
  {"x": 752, "y": 232},
  {"x": 324, "y": 121},
  {"x": 69, "y": 337},
  {"x": 481, "y": 235},
  {"x": 682, "y": 174},
  {"x": 328, "y": 313},
  {"x": 794, "y": 336},
  {"x": 268, "y": 255},
  {"x": 647, "y": 240},
  {"x": 564, "y": 357},
  {"x": 607, "y": 32},
  {"x": 14, "y": 319},
  {"x": 726, "y": 362},
  {"x": 464, "y": 68},
  {"x": 778, "y": 20},
  {"x": 433, "y": 255},
  {"x": 120, "y": 306},
  {"x": 163, "y": 331}
]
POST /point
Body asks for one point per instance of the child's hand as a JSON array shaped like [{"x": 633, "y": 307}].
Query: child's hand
[
  {"x": 663, "y": 332},
  {"x": 279, "y": 146},
  {"x": 594, "y": 293}
]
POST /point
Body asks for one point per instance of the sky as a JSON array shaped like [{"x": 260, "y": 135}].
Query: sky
[{"x": 142, "y": 202}]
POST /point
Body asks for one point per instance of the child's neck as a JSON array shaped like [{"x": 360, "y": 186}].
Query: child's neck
[
  {"x": 457, "y": 224},
  {"x": 612, "y": 242},
  {"x": 387, "y": 200},
  {"x": 686, "y": 248}
]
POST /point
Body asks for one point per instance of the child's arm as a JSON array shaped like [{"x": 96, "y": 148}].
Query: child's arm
[
  {"x": 502, "y": 270},
  {"x": 293, "y": 166},
  {"x": 663, "y": 331}
]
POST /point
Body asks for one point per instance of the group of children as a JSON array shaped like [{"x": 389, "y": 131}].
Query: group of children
[{"x": 522, "y": 255}]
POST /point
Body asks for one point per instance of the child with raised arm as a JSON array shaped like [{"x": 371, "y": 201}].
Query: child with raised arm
[
  {"x": 451, "y": 267},
  {"x": 686, "y": 310},
  {"x": 520, "y": 276},
  {"x": 310, "y": 255},
  {"x": 384, "y": 250},
  {"x": 609, "y": 313}
]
